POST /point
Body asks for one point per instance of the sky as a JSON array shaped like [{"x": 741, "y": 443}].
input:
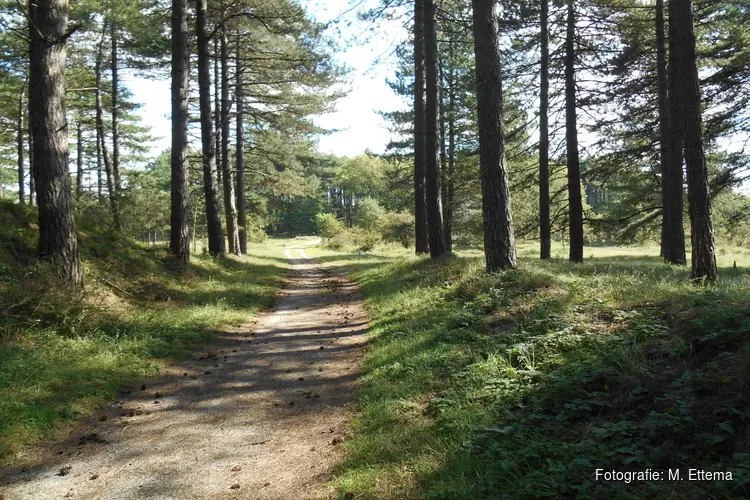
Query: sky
[{"x": 355, "y": 119}]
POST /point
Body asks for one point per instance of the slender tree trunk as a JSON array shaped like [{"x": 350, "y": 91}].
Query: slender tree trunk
[
  {"x": 79, "y": 159},
  {"x": 230, "y": 208},
  {"x": 217, "y": 109},
  {"x": 99, "y": 178},
  {"x": 32, "y": 187},
  {"x": 673, "y": 233},
  {"x": 101, "y": 136},
  {"x": 444, "y": 184},
  {"x": 661, "y": 94},
  {"x": 420, "y": 200},
  {"x": 575, "y": 203},
  {"x": 499, "y": 240},
  {"x": 19, "y": 147},
  {"x": 57, "y": 233},
  {"x": 545, "y": 231},
  {"x": 699, "y": 199},
  {"x": 180, "y": 192},
  {"x": 449, "y": 176},
  {"x": 432, "y": 134},
  {"x": 215, "y": 232},
  {"x": 116, "y": 119},
  {"x": 240, "y": 133}
]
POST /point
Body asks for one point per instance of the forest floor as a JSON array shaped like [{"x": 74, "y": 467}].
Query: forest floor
[{"x": 259, "y": 413}]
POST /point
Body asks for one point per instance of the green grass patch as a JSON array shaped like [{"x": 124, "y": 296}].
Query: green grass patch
[
  {"x": 62, "y": 354},
  {"x": 522, "y": 383}
]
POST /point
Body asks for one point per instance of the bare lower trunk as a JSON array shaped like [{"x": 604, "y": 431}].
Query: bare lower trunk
[
  {"x": 545, "y": 230},
  {"x": 116, "y": 119},
  {"x": 79, "y": 160},
  {"x": 450, "y": 173},
  {"x": 499, "y": 241},
  {"x": 575, "y": 203},
  {"x": 217, "y": 109},
  {"x": 240, "y": 133},
  {"x": 432, "y": 134},
  {"x": 230, "y": 208},
  {"x": 180, "y": 192},
  {"x": 420, "y": 206},
  {"x": 215, "y": 232},
  {"x": 19, "y": 147},
  {"x": 32, "y": 187},
  {"x": 673, "y": 234},
  {"x": 57, "y": 234},
  {"x": 99, "y": 173},
  {"x": 699, "y": 200}
]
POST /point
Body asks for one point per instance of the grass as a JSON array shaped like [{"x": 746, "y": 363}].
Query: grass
[
  {"x": 521, "y": 384},
  {"x": 62, "y": 355}
]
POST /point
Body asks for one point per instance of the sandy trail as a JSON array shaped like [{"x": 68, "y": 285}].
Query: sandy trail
[{"x": 260, "y": 415}]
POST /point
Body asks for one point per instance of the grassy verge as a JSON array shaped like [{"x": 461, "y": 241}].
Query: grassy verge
[
  {"x": 63, "y": 354},
  {"x": 523, "y": 383}
]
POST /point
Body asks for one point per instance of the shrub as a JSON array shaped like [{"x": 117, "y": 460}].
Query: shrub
[
  {"x": 369, "y": 214},
  {"x": 398, "y": 227},
  {"x": 328, "y": 226}
]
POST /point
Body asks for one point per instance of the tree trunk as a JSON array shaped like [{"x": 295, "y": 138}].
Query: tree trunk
[
  {"x": 215, "y": 232},
  {"x": 432, "y": 134},
  {"x": 230, "y": 208},
  {"x": 672, "y": 137},
  {"x": 545, "y": 231},
  {"x": 449, "y": 175},
  {"x": 240, "y": 133},
  {"x": 19, "y": 147},
  {"x": 499, "y": 240},
  {"x": 180, "y": 192},
  {"x": 116, "y": 120},
  {"x": 79, "y": 159},
  {"x": 32, "y": 187},
  {"x": 420, "y": 201},
  {"x": 101, "y": 136},
  {"x": 99, "y": 179},
  {"x": 699, "y": 200},
  {"x": 217, "y": 110},
  {"x": 444, "y": 184},
  {"x": 575, "y": 204},
  {"x": 57, "y": 234}
]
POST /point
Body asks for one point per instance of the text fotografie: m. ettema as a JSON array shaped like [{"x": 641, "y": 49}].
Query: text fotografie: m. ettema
[{"x": 669, "y": 475}]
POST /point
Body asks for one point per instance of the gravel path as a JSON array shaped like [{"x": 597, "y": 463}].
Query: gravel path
[{"x": 259, "y": 415}]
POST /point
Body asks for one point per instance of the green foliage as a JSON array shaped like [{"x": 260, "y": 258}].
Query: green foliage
[
  {"x": 328, "y": 226},
  {"x": 369, "y": 214},
  {"x": 522, "y": 383}
]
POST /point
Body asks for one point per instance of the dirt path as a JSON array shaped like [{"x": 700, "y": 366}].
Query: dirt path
[{"x": 258, "y": 416}]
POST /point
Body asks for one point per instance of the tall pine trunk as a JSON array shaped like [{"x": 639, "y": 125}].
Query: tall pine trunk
[
  {"x": 432, "y": 133},
  {"x": 19, "y": 148},
  {"x": 213, "y": 218},
  {"x": 499, "y": 241},
  {"x": 217, "y": 108},
  {"x": 116, "y": 120},
  {"x": 32, "y": 187},
  {"x": 180, "y": 192},
  {"x": 671, "y": 134},
  {"x": 57, "y": 233},
  {"x": 239, "y": 95},
  {"x": 545, "y": 230},
  {"x": 79, "y": 159},
  {"x": 449, "y": 185},
  {"x": 230, "y": 208},
  {"x": 575, "y": 204},
  {"x": 99, "y": 173},
  {"x": 699, "y": 200},
  {"x": 101, "y": 136},
  {"x": 420, "y": 207}
]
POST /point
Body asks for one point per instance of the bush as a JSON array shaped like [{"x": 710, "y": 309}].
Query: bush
[
  {"x": 369, "y": 214},
  {"x": 356, "y": 237},
  {"x": 398, "y": 227},
  {"x": 329, "y": 226}
]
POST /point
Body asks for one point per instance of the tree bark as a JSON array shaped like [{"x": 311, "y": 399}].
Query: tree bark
[
  {"x": 449, "y": 175},
  {"x": 99, "y": 177},
  {"x": 32, "y": 187},
  {"x": 420, "y": 201},
  {"x": 499, "y": 240},
  {"x": 545, "y": 230},
  {"x": 217, "y": 109},
  {"x": 57, "y": 234},
  {"x": 239, "y": 95},
  {"x": 230, "y": 207},
  {"x": 673, "y": 137},
  {"x": 101, "y": 136},
  {"x": 180, "y": 189},
  {"x": 215, "y": 232},
  {"x": 79, "y": 159},
  {"x": 432, "y": 134},
  {"x": 575, "y": 203},
  {"x": 19, "y": 147},
  {"x": 116, "y": 120},
  {"x": 699, "y": 199}
]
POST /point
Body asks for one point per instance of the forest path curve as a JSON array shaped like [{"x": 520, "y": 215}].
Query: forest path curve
[{"x": 259, "y": 416}]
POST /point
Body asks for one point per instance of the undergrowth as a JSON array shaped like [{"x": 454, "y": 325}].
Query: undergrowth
[
  {"x": 63, "y": 353},
  {"x": 521, "y": 384}
]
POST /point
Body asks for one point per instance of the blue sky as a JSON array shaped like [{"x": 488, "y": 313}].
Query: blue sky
[{"x": 356, "y": 115}]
